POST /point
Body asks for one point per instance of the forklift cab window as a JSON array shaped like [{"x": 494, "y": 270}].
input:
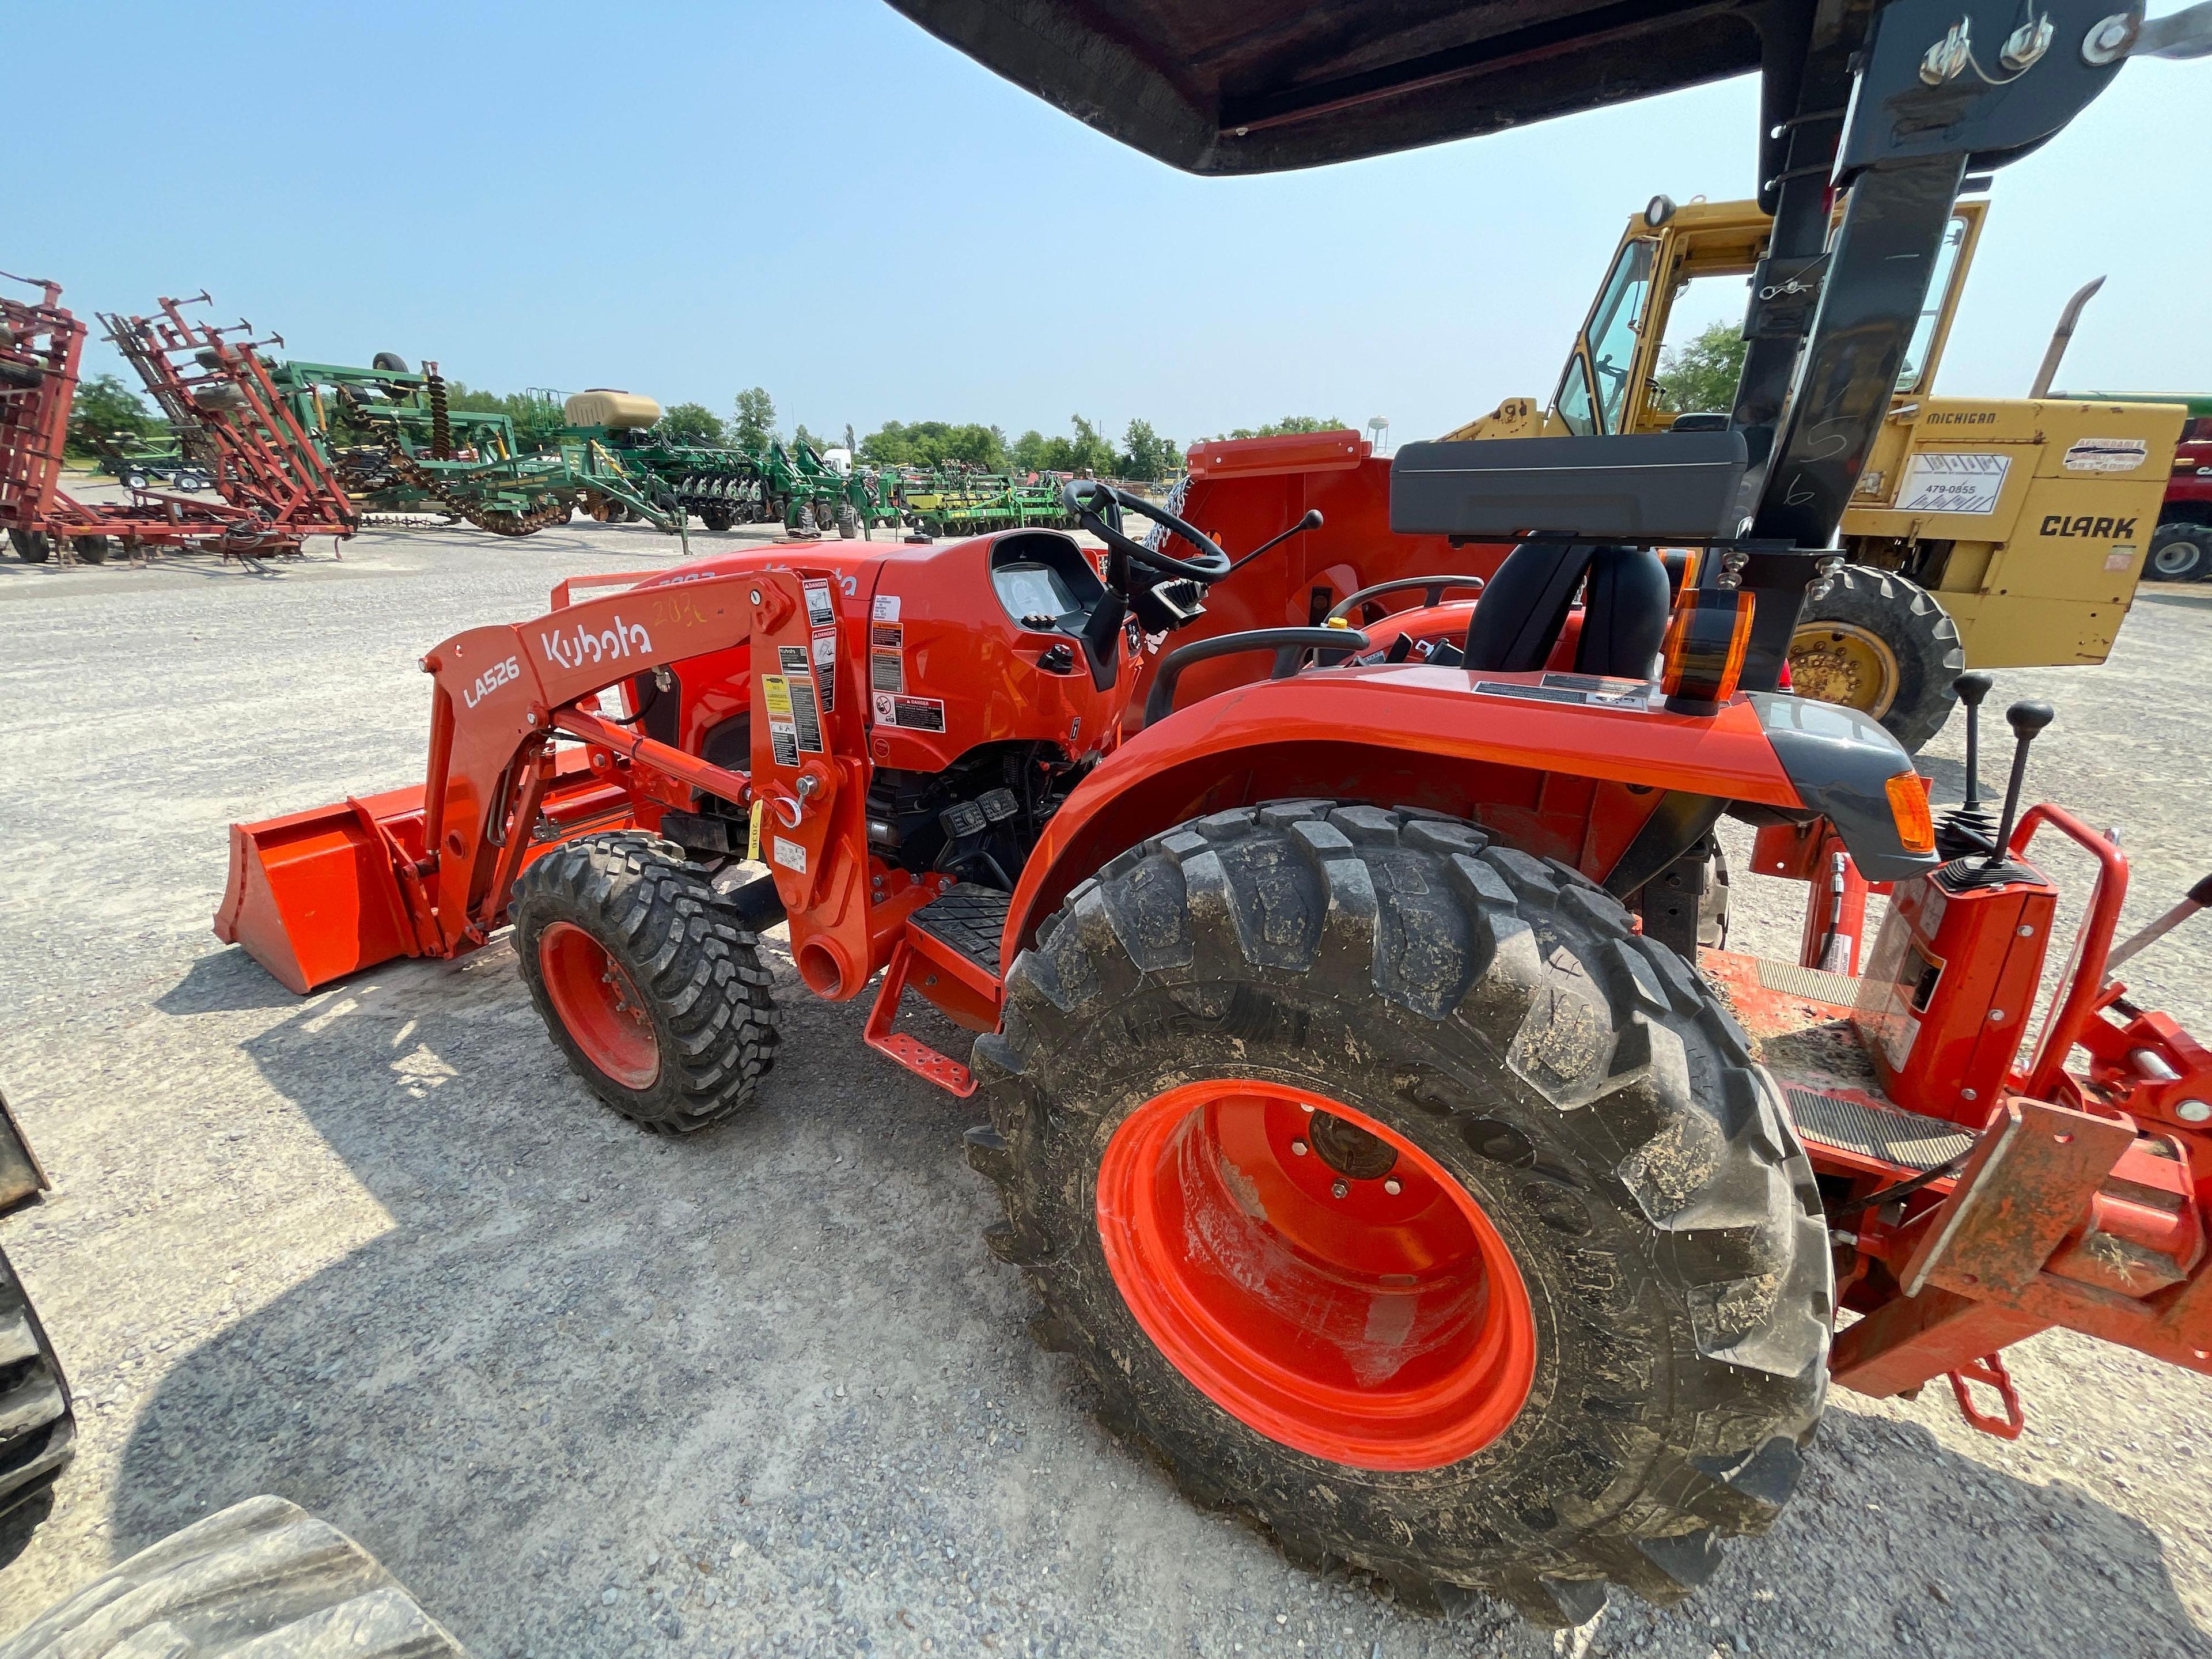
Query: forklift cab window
[
  {"x": 1909, "y": 376},
  {"x": 1572, "y": 403},
  {"x": 1613, "y": 331}
]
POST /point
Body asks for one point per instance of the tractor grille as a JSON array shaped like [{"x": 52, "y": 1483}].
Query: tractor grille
[
  {"x": 1852, "y": 1125},
  {"x": 969, "y": 919}
]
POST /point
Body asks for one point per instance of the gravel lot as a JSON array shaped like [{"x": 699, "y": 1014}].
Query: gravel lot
[{"x": 586, "y": 1392}]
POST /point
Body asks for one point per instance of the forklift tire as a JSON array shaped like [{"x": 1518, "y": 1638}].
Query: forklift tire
[
  {"x": 652, "y": 987},
  {"x": 32, "y": 546},
  {"x": 1392, "y": 1190},
  {"x": 2180, "y": 552},
  {"x": 259, "y": 1580},
  {"x": 92, "y": 550},
  {"x": 1884, "y": 645}
]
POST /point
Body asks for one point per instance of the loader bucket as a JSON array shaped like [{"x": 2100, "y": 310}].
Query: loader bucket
[{"x": 315, "y": 895}]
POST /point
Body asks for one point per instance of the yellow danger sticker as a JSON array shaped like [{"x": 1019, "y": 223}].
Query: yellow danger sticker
[{"x": 775, "y": 697}]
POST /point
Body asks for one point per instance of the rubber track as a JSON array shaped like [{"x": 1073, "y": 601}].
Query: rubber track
[
  {"x": 262, "y": 1579},
  {"x": 698, "y": 963},
  {"x": 1413, "y": 922}
]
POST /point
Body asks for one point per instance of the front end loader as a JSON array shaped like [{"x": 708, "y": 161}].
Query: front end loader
[{"x": 1359, "y": 1109}]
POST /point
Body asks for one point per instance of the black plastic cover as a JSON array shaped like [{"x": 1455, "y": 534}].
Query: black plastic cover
[
  {"x": 1840, "y": 763},
  {"x": 1649, "y": 487},
  {"x": 1258, "y": 86}
]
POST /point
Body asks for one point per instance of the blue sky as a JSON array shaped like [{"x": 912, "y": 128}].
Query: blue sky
[{"x": 686, "y": 199}]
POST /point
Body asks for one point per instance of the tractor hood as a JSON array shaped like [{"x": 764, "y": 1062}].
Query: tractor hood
[{"x": 1258, "y": 86}]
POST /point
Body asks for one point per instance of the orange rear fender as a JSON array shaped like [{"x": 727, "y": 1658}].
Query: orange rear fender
[{"x": 1572, "y": 779}]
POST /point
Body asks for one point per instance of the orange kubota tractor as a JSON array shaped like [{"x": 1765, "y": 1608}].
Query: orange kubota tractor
[{"x": 1361, "y": 1117}]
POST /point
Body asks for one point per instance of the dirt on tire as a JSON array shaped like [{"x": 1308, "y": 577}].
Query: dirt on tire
[{"x": 1498, "y": 1012}]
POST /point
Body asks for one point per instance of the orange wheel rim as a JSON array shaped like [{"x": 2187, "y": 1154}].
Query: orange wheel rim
[
  {"x": 599, "y": 1004},
  {"x": 1350, "y": 1300}
]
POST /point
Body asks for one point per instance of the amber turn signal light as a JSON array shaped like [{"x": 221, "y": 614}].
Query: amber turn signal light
[{"x": 1908, "y": 809}]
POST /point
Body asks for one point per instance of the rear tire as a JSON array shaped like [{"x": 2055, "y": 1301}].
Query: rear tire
[
  {"x": 1885, "y": 647},
  {"x": 2180, "y": 552},
  {"x": 92, "y": 550},
  {"x": 32, "y": 546},
  {"x": 1495, "y": 1015},
  {"x": 651, "y": 987},
  {"x": 261, "y": 1578}
]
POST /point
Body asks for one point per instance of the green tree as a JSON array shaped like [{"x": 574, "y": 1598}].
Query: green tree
[
  {"x": 852, "y": 445},
  {"x": 106, "y": 409},
  {"x": 1285, "y": 427},
  {"x": 936, "y": 443},
  {"x": 1147, "y": 456},
  {"x": 693, "y": 425},
  {"x": 799, "y": 436},
  {"x": 755, "y": 425},
  {"x": 1699, "y": 378}
]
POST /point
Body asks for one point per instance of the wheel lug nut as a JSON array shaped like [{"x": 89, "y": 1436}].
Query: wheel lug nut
[
  {"x": 1298, "y": 1147},
  {"x": 1392, "y": 1187},
  {"x": 1342, "y": 1189}
]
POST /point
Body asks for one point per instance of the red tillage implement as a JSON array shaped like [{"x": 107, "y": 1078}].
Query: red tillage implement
[{"x": 273, "y": 489}]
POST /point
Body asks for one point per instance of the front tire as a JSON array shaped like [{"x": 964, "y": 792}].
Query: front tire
[
  {"x": 1884, "y": 645},
  {"x": 650, "y": 985},
  {"x": 1484, "y": 1028}
]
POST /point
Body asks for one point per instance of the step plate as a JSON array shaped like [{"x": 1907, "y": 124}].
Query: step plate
[
  {"x": 1853, "y": 1124},
  {"x": 968, "y": 918}
]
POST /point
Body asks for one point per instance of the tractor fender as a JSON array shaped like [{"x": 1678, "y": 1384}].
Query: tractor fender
[
  {"x": 1569, "y": 780},
  {"x": 1578, "y": 780}
]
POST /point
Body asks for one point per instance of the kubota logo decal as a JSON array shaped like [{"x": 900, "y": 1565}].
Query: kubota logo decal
[
  {"x": 582, "y": 646},
  {"x": 491, "y": 679}
]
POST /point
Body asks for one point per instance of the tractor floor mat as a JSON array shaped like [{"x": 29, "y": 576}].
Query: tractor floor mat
[{"x": 970, "y": 918}]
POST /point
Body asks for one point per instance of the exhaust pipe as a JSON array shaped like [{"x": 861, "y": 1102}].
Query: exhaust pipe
[{"x": 2060, "y": 336}]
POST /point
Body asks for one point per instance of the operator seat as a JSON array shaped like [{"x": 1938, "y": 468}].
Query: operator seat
[{"x": 1625, "y": 605}]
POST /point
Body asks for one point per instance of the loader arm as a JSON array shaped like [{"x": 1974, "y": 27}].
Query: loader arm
[{"x": 314, "y": 895}]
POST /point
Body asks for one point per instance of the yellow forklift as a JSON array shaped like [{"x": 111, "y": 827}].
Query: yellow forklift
[{"x": 1987, "y": 533}]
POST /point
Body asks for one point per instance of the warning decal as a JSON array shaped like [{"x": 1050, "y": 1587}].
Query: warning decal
[
  {"x": 886, "y": 671},
  {"x": 821, "y": 610},
  {"x": 916, "y": 713},
  {"x": 886, "y": 608},
  {"x": 825, "y": 668},
  {"x": 782, "y": 729},
  {"x": 790, "y": 855},
  {"x": 806, "y": 713}
]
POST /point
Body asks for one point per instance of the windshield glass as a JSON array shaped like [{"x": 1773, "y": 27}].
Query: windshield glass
[
  {"x": 1613, "y": 331},
  {"x": 1913, "y": 372},
  {"x": 1573, "y": 401}
]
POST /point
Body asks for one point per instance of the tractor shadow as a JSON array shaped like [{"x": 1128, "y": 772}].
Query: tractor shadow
[{"x": 577, "y": 1350}]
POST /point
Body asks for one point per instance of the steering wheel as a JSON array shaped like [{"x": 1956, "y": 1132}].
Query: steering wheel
[{"x": 1081, "y": 497}]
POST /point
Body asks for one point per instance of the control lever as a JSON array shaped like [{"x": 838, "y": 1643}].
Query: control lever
[
  {"x": 1968, "y": 827},
  {"x": 2027, "y": 720},
  {"x": 1311, "y": 521}
]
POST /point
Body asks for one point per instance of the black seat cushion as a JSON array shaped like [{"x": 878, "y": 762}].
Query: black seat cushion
[{"x": 1625, "y": 604}]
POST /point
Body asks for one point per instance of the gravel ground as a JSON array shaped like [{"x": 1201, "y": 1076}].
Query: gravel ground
[{"x": 587, "y": 1393}]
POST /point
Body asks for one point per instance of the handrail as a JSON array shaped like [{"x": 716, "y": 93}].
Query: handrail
[
  {"x": 2092, "y": 940},
  {"x": 1432, "y": 595},
  {"x": 1288, "y": 644}
]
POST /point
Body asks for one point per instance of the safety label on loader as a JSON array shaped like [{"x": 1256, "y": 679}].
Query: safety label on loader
[
  {"x": 886, "y": 608},
  {"x": 1952, "y": 483},
  {"x": 796, "y": 663},
  {"x": 821, "y": 610},
  {"x": 782, "y": 729},
  {"x": 916, "y": 713},
  {"x": 789, "y": 853},
  {"x": 805, "y": 712},
  {"x": 887, "y": 657}
]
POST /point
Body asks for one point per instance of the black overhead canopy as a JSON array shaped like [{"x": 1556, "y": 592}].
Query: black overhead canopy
[{"x": 1257, "y": 86}]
